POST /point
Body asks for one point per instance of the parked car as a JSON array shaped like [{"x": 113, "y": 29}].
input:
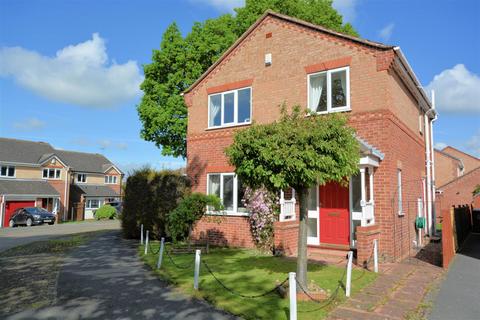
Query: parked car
[
  {"x": 118, "y": 205},
  {"x": 30, "y": 216}
]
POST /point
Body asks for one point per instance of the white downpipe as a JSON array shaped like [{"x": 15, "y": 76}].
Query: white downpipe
[
  {"x": 2, "y": 209},
  {"x": 433, "y": 188},
  {"x": 65, "y": 202},
  {"x": 429, "y": 177}
]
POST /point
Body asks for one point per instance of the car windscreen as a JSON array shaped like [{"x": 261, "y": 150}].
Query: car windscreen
[{"x": 33, "y": 210}]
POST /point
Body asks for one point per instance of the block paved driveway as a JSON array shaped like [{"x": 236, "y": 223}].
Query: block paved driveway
[
  {"x": 105, "y": 279},
  {"x": 459, "y": 295},
  {"x": 12, "y": 237}
]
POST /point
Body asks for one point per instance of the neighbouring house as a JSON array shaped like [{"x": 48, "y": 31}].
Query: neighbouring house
[
  {"x": 456, "y": 175},
  {"x": 447, "y": 167},
  {"x": 280, "y": 59},
  {"x": 64, "y": 182}
]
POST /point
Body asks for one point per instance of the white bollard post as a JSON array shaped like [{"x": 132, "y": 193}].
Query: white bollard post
[
  {"x": 375, "y": 255},
  {"x": 292, "y": 287},
  {"x": 197, "y": 269},
  {"x": 160, "y": 255},
  {"x": 349, "y": 274},
  {"x": 141, "y": 234},
  {"x": 146, "y": 243}
]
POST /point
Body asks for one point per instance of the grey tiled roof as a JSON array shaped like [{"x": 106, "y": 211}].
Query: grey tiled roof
[
  {"x": 84, "y": 162},
  {"x": 21, "y": 187},
  {"x": 95, "y": 190},
  {"x": 13, "y": 150},
  {"x": 21, "y": 151}
]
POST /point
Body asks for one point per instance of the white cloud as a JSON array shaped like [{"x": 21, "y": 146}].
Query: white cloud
[
  {"x": 386, "y": 33},
  {"x": 101, "y": 144},
  {"x": 30, "y": 124},
  {"x": 78, "y": 74},
  {"x": 440, "y": 145},
  {"x": 221, "y": 5},
  {"x": 456, "y": 90},
  {"x": 347, "y": 9},
  {"x": 473, "y": 144}
]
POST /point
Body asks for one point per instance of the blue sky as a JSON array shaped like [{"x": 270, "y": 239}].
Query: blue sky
[{"x": 69, "y": 70}]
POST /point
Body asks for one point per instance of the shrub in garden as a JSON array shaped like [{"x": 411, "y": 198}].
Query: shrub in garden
[
  {"x": 263, "y": 207},
  {"x": 149, "y": 196},
  {"x": 106, "y": 212},
  {"x": 191, "y": 209}
]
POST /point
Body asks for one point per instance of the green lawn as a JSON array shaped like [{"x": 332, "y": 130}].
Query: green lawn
[{"x": 249, "y": 273}]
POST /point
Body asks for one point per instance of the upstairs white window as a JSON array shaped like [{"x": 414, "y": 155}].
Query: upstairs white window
[
  {"x": 51, "y": 173},
  {"x": 229, "y": 189},
  {"x": 230, "y": 108},
  {"x": 7, "y": 171},
  {"x": 81, "y": 178},
  {"x": 111, "y": 179},
  {"x": 329, "y": 91}
]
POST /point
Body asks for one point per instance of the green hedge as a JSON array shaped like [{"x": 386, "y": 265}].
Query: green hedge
[
  {"x": 106, "y": 212},
  {"x": 149, "y": 196}
]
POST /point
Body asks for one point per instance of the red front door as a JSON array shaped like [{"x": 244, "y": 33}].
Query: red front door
[
  {"x": 334, "y": 214},
  {"x": 11, "y": 206}
]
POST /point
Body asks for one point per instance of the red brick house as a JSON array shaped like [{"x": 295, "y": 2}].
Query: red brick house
[{"x": 280, "y": 60}]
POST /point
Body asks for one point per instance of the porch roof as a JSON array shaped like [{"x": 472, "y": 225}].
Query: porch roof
[
  {"x": 25, "y": 187},
  {"x": 368, "y": 149},
  {"x": 96, "y": 190}
]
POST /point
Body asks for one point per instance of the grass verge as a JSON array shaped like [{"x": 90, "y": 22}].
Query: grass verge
[
  {"x": 250, "y": 272},
  {"x": 29, "y": 272}
]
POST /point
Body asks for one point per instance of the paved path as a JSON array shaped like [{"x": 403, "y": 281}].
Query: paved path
[
  {"x": 395, "y": 294},
  {"x": 105, "y": 279},
  {"x": 459, "y": 295},
  {"x": 11, "y": 237}
]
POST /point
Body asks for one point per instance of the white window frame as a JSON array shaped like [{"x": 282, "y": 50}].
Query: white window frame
[
  {"x": 8, "y": 168},
  {"x": 233, "y": 212},
  {"x": 399, "y": 192},
  {"x": 329, "y": 93},
  {"x": 78, "y": 174},
  {"x": 55, "y": 171},
  {"x": 88, "y": 203},
  {"x": 110, "y": 179},
  {"x": 235, "y": 109}
]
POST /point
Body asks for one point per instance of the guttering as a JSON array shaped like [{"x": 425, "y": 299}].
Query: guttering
[{"x": 414, "y": 78}]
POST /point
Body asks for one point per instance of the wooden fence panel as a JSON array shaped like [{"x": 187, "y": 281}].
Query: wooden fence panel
[{"x": 448, "y": 240}]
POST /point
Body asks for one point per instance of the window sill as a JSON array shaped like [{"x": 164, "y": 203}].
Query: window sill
[
  {"x": 229, "y": 126},
  {"x": 344, "y": 109},
  {"x": 228, "y": 213},
  {"x": 7, "y": 177}
]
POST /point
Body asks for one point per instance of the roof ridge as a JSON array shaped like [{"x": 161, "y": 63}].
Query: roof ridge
[
  {"x": 467, "y": 154},
  {"x": 23, "y": 140}
]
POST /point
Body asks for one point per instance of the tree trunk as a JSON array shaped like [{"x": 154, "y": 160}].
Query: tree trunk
[{"x": 302, "y": 239}]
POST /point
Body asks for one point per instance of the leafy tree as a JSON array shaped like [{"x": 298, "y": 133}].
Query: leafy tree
[
  {"x": 181, "y": 60},
  {"x": 298, "y": 152},
  {"x": 476, "y": 190}
]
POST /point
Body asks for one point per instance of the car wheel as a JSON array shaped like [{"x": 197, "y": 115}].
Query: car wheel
[
  {"x": 11, "y": 224},
  {"x": 29, "y": 222}
]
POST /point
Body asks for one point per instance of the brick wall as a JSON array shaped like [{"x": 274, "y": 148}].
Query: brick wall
[
  {"x": 224, "y": 231},
  {"x": 286, "y": 237},
  {"x": 458, "y": 191},
  {"x": 365, "y": 237}
]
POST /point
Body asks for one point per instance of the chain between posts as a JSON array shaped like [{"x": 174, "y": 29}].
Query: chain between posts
[
  {"x": 188, "y": 266},
  {"x": 239, "y": 294},
  {"x": 330, "y": 299},
  {"x": 153, "y": 251}
]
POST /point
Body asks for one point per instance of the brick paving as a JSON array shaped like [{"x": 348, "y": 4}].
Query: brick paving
[{"x": 397, "y": 292}]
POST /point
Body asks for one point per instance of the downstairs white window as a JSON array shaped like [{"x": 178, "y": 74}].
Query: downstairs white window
[{"x": 229, "y": 189}]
